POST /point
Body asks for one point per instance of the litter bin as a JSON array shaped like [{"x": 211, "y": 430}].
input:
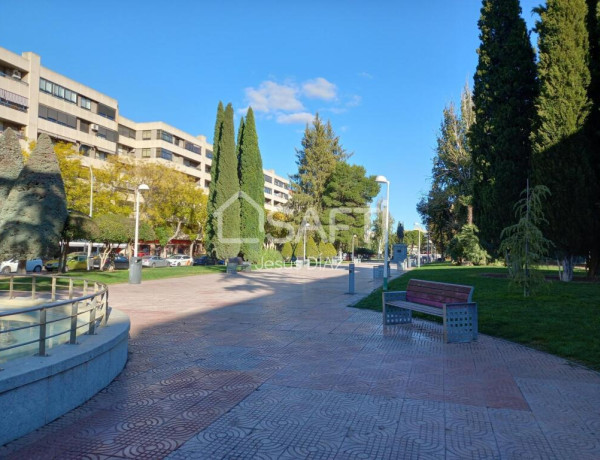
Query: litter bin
[
  {"x": 135, "y": 270},
  {"x": 377, "y": 272}
]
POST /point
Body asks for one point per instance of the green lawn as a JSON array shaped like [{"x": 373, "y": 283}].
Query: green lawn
[
  {"x": 122, "y": 276},
  {"x": 564, "y": 319}
]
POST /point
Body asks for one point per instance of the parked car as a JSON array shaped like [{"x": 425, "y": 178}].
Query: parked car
[
  {"x": 154, "y": 261},
  {"x": 207, "y": 260},
  {"x": 179, "y": 259},
  {"x": 11, "y": 265},
  {"x": 75, "y": 261},
  {"x": 204, "y": 260},
  {"x": 118, "y": 262}
]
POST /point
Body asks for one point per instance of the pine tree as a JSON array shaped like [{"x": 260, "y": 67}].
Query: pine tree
[
  {"x": 504, "y": 92},
  {"x": 11, "y": 160},
  {"x": 561, "y": 159},
  {"x": 211, "y": 225},
  {"x": 35, "y": 211},
  {"x": 320, "y": 152},
  {"x": 226, "y": 217},
  {"x": 252, "y": 183}
]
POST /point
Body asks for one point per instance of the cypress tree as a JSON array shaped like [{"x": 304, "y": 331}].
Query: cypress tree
[
  {"x": 210, "y": 205},
  {"x": 35, "y": 211},
  {"x": 561, "y": 156},
  {"x": 252, "y": 183},
  {"x": 504, "y": 93},
  {"x": 11, "y": 160},
  {"x": 226, "y": 218},
  {"x": 593, "y": 133}
]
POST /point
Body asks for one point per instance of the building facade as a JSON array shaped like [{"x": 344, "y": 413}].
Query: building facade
[{"x": 34, "y": 100}]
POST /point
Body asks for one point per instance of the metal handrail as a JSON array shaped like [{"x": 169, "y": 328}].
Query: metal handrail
[{"x": 76, "y": 291}]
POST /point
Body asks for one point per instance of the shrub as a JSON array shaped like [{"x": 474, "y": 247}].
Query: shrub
[{"x": 465, "y": 247}]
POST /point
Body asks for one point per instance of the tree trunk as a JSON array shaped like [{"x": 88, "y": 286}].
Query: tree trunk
[
  {"x": 470, "y": 214},
  {"x": 593, "y": 263},
  {"x": 22, "y": 267},
  {"x": 567, "y": 271}
]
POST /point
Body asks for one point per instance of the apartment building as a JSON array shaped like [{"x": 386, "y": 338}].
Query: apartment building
[{"x": 34, "y": 100}]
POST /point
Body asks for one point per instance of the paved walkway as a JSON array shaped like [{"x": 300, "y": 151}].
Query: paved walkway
[{"x": 272, "y": 364}]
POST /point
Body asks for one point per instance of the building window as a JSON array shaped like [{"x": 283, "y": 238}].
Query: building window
[
  {"x": 84, "y": 126},
  {"x": 58, "y": 91},
  {"x": 57, "y": 116},
  {"x": 278, "y": 183},
  {"x": 268, "y": 179},
  {"x": 207, "y": 168},
  {"x": 165, "y": 136},
  {"x": 106, "y": 111},
  {"x": 165, "y": 154},
  {"x": 190, "y": 163},
  {"x": 102, "y": 156},
  {"x": 146, "y": 135},
  {"x": 85, "y": 103},
  {"x": 206, "y": 183},
  {"x": 146, "y": 153},
  {"x": 209, "y": 154},
  {"x": 84, "y": 150},
  {"x": 108, "y": 134},
  {"x": 127, "y": 132},
  {"x": 268, "y": 191},
  {"x": 193, "y": 148}
]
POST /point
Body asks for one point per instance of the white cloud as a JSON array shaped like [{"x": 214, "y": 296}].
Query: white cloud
[
  {"x": 366, "y": 75},
  {"x": 271, "y": 96},
  {"x": 354, "y": 101},
  {"x": 291, "y": 118},
  {"x": 319, "y": 88}
]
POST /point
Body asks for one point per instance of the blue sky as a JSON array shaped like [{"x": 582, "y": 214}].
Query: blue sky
[{"x": 380, "y": 71}]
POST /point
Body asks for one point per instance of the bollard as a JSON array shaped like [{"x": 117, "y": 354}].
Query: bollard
[{"x": 351, "y": 279}]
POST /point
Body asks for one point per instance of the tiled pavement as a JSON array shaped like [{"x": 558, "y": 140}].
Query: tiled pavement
[{"x": 272, "y": 364}]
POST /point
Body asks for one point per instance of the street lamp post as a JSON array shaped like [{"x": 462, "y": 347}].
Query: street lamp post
[
  {"x": 383, "y": 180},
  {"x": 419, "y": 246},
  {"x": 353, "y": 236},
  {"x": 89, "y": 255},
  {"x": 306, "y": 225},
  {"x": 140, "y": 188}
]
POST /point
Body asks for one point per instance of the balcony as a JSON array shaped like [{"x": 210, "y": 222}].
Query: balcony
[{"x": 18, "y": 80}]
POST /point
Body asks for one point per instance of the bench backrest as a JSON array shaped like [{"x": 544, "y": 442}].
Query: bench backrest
[{"x": 437, "y": 294}]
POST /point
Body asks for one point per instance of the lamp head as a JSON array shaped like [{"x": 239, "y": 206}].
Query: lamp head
[
  {"x": 381, "y": 179},
  {"x": 143, "y": 187}
]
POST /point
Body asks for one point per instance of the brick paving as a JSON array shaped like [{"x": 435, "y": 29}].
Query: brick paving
[{"x": 272, "y": 364}]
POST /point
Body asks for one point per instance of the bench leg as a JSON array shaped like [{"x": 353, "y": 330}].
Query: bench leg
[
  {"x": 460, "y": 323},
  {"x": 396, "y": 315}
]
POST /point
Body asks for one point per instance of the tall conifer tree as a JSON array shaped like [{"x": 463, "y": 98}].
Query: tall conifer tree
[
  {"x": 252, "y": 183},
  {"x": 210, "y": 205},
  {"x": 11, "y": 160},
  {"x": 593, "y": 133},
  {"x": 226, "y": 217},
  {"x": 321, "y": 151},
  {"x": 35, "y": 211},
  {"x": 561, "y": 156},
  {"x": 504, "y": 93}
]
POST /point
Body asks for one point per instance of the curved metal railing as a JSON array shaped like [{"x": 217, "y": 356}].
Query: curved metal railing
[{"x": 68, "y": 306}]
